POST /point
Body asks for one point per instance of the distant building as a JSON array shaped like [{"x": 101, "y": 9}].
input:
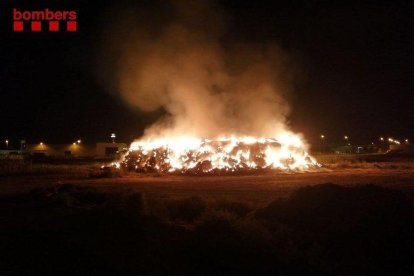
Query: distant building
[
  {"x": 109, "y": 149},
  {"x": 98, "y": 150},
  {"x": 402, "y": 148}
]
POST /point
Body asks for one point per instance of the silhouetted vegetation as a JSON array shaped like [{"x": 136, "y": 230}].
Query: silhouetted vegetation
[
  {"x": 325, "y": 229},
  {"x": 237, "y": 208},
  {"x": 187, "y": 209}
]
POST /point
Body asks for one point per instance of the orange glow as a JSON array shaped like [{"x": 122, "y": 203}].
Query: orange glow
[{"x": 191, "y": 154}]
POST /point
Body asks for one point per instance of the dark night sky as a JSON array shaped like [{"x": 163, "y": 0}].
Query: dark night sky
[{"x": 355, "y": 61}]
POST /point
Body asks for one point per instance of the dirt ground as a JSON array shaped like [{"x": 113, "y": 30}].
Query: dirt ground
[
  {"x": 262, "y": 223},
  {"x": 258, "y": 188}
]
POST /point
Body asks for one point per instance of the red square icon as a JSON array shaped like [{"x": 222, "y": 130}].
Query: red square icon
[
  {"x": 18, "y": 26},
  {"x": 71, "y": 26},
  {"x": 54, "y": 26},
  {"x": 36, "y": 26}
]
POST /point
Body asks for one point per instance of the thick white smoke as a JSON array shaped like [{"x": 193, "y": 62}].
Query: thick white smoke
[{"x": 207, "y": 90}]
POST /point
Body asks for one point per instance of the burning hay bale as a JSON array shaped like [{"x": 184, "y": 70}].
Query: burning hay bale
[{"x": 195, "y": 156}]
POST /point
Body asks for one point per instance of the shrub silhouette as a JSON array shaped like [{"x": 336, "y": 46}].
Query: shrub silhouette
[
  {"x": 237, "y": 208},
  {"x": 343, "y": 229},
  {"x": 186, "y": 209}
]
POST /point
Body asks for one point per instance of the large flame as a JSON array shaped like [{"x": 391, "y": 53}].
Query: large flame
[{"x": 190, "y": 154}]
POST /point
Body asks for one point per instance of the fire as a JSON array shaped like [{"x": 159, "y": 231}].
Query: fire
[{"x": 194, "y": 155}]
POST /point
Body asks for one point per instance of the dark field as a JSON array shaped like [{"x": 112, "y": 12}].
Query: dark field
[{"x": 76, "y": 220}]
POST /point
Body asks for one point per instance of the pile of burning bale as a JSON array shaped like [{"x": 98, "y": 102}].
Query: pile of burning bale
[{"x": 213, "y": 156}]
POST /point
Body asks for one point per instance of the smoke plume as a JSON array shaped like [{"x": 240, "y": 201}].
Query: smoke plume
[{"x": 175, "y": 59}]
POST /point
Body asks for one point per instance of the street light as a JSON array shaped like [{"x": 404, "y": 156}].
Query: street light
[
  {"x": 346, "y": 137},
  {"x": 382, "y": 138},
  {"x": 79, "y": 141},
  {"x": 7, "y": 144},
  {"x": 22, "y": 145},
  {"x": 322, "y": 136},
  {"x": 113, "y": 136}
]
